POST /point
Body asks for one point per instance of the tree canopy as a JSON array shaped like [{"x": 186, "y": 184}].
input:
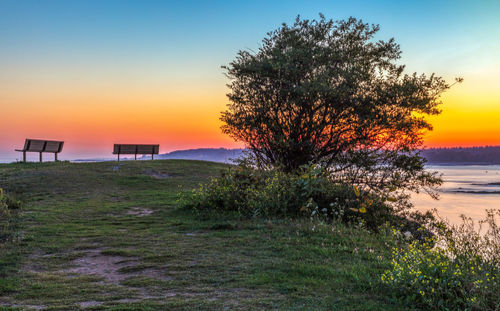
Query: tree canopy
[{"x": 326, "y": 92}]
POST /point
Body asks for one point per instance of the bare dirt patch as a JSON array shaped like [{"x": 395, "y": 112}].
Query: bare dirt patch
[
  {"x": 111, "y": 268},
  {"x": 155, "y": 174},
  {"x": 93, "y": 303},
  {"x": 94, "y": 263},
  {"x": 139, "y": 211}
]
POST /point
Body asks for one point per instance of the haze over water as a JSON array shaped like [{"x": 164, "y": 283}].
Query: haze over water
[{"x": 468, "y": 190}]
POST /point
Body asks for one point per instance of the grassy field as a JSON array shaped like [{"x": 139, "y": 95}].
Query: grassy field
[{"x": 110, "y": 236}]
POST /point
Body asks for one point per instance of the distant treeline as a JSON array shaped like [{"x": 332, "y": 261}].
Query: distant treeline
[
  {"x": 451, "y": 156},
  {"x": 472, "y": 155},
  {"x": 205, "y": 154}
]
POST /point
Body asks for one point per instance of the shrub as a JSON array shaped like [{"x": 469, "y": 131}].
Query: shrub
[
  {"x": 309, "y": 192},
  {"x": 7, "y": 204},
  {"x": 457, "y": 269}
]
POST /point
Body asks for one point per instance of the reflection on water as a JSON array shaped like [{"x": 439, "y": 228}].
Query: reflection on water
[{"x": 468, "y": 190}]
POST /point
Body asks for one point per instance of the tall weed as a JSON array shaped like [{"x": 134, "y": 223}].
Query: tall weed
[
  {"x": 457, "y": 269},
  {"x": 7, "y": 206}
]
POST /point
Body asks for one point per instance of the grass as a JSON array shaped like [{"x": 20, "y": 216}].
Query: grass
[{"x": 109, "y": 236}]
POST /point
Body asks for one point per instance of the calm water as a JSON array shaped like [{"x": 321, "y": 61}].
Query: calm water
[{"x": 468, "y": 190}]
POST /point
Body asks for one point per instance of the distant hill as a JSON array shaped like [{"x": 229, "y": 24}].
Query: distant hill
[
  {"x": 206, "y": 154},
  {"x": 443, "y": 156},
  {"x": 465, "y": 156}
]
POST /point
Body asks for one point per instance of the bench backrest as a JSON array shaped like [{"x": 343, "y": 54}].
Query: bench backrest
[
  {"x": 135, "y": 149},
  {"x": 38, "y": 145},
  {"x": 54, "y": 146}
]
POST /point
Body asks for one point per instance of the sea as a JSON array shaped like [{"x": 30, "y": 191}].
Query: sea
[{"x": 467, "y": 190}]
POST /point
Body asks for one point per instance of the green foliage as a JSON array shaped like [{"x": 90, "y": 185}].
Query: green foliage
[
  {"x": 7, "y": 202},
  {"x": 7, "y": 205},
  {"x": 326, "y": 92},
  {"x": 458, "y": 269},
  {"x": 274, "y": 193},
  {"x": 8, "y": 212}
]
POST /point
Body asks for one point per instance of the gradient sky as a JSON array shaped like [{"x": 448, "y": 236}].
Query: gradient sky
[{"x": 94, "y": 73}]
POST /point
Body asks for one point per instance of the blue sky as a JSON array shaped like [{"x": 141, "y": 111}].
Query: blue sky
[{"x": 196, "y": 30}]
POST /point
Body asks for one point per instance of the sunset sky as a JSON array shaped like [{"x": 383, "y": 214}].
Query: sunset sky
[{"x": 94, "y": 73}]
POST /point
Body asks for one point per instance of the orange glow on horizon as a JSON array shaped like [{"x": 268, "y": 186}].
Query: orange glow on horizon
[
  {"x": 90, "y": 123},
  {"x": 182, "y": 116},
  {"x": 470, "y": 115}
]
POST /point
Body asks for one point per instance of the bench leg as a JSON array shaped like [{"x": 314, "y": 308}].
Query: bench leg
[
  {"x": 135, "y": 156},
  {"x": 40, "y": 157},
  {"x": 55, "y": 156},
  {"x": 24, "y": 156},
  {"x": 152, "y": 156},
  {"x": 118, "y": 157}
]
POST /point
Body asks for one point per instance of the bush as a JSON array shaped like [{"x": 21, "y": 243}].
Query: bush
[
  {"x": 7, "y": 205},
  {"x": 457, "y": 269},
  {"x": 310, "y": 192}
]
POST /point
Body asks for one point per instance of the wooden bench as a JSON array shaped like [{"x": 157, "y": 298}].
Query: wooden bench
[
  {"x": 135, "y": 150},
  {"x": 38, "y": 145}
]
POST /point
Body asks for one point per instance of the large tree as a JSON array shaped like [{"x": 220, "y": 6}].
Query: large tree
[{"x": 327, "y": 92}]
